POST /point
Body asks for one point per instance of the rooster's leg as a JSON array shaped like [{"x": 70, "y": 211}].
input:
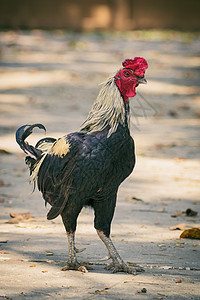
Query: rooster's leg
[
  {"x": 117, "y": 264},
  {"x": 69, "y": 216},
  {"x": 72, "y": 263}
]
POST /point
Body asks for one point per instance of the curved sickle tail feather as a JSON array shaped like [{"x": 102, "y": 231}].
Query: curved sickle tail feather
[
  {"x": 22, "y": 133},
  {"x": 36, "y": 154}
]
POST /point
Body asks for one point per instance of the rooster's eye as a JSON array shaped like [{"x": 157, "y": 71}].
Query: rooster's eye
[{"x": 127, "y": 74}]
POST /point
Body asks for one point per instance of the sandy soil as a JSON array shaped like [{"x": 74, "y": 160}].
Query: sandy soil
[{"x": 53, "y": 78}]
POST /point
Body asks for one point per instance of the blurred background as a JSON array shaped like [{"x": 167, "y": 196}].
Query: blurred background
[{"x": 100, "y": 14}]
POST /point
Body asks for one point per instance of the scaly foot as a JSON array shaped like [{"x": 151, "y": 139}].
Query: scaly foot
[
  {"x": 74, "y": 266},
  {"x": 117, "y": 267}
]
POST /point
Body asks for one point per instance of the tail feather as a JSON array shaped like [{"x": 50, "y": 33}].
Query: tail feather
[
  {"x": 35, "y": 154},
  {"x": 57, "y": 209},
  {"x": 22, "y": 133},
  {"x": 45, "y": 144}
]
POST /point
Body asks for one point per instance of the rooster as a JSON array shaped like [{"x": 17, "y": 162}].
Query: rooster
[{"x": 86, "y": 167}]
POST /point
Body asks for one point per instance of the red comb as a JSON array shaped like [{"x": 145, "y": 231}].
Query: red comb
[{"x": 138, "y": 65}]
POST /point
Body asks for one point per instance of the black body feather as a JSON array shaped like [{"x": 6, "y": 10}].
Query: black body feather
[
  {"x": 85, "y": 167},
  {"x": 90, "y": 172}
]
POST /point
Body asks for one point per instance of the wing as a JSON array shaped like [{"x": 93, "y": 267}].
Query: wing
[{"x": 74, "y": 168}]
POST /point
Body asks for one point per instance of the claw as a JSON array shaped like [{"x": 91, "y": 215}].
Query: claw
[
  {"x": 123, "y": 268},
  {"x": 83, "y": 269},
  {"x": 139, "y": 269},
  {"x": 126, "y": 270},
  {"x": 136, "y": 267},
  {"x": 76, "y": 267}
]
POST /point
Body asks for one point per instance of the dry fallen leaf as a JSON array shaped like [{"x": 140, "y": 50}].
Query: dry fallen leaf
[
  {"x": 191, "y": 233},
  {"x": 21, "y": 216},
  {"x": 178, "y": 227}
]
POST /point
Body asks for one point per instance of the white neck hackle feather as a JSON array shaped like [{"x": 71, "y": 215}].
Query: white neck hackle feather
[{"x": 107, "y": 110}]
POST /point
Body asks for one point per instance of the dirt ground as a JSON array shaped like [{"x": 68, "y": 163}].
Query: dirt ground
[{"x": 53, "y": 78}]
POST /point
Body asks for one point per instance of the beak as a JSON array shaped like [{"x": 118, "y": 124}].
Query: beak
[{"x": 141, "y": 80}]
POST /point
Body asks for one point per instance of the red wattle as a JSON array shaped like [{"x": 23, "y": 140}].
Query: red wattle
[{"x": 126, "y": 90}]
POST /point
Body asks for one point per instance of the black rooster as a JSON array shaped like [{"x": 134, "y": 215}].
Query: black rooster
[{"x": 85, "y": 168}]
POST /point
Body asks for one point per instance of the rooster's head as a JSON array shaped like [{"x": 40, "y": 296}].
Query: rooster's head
[
  {"x": 132, "y": 74},
  {"x": 109, "y": 110}
]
